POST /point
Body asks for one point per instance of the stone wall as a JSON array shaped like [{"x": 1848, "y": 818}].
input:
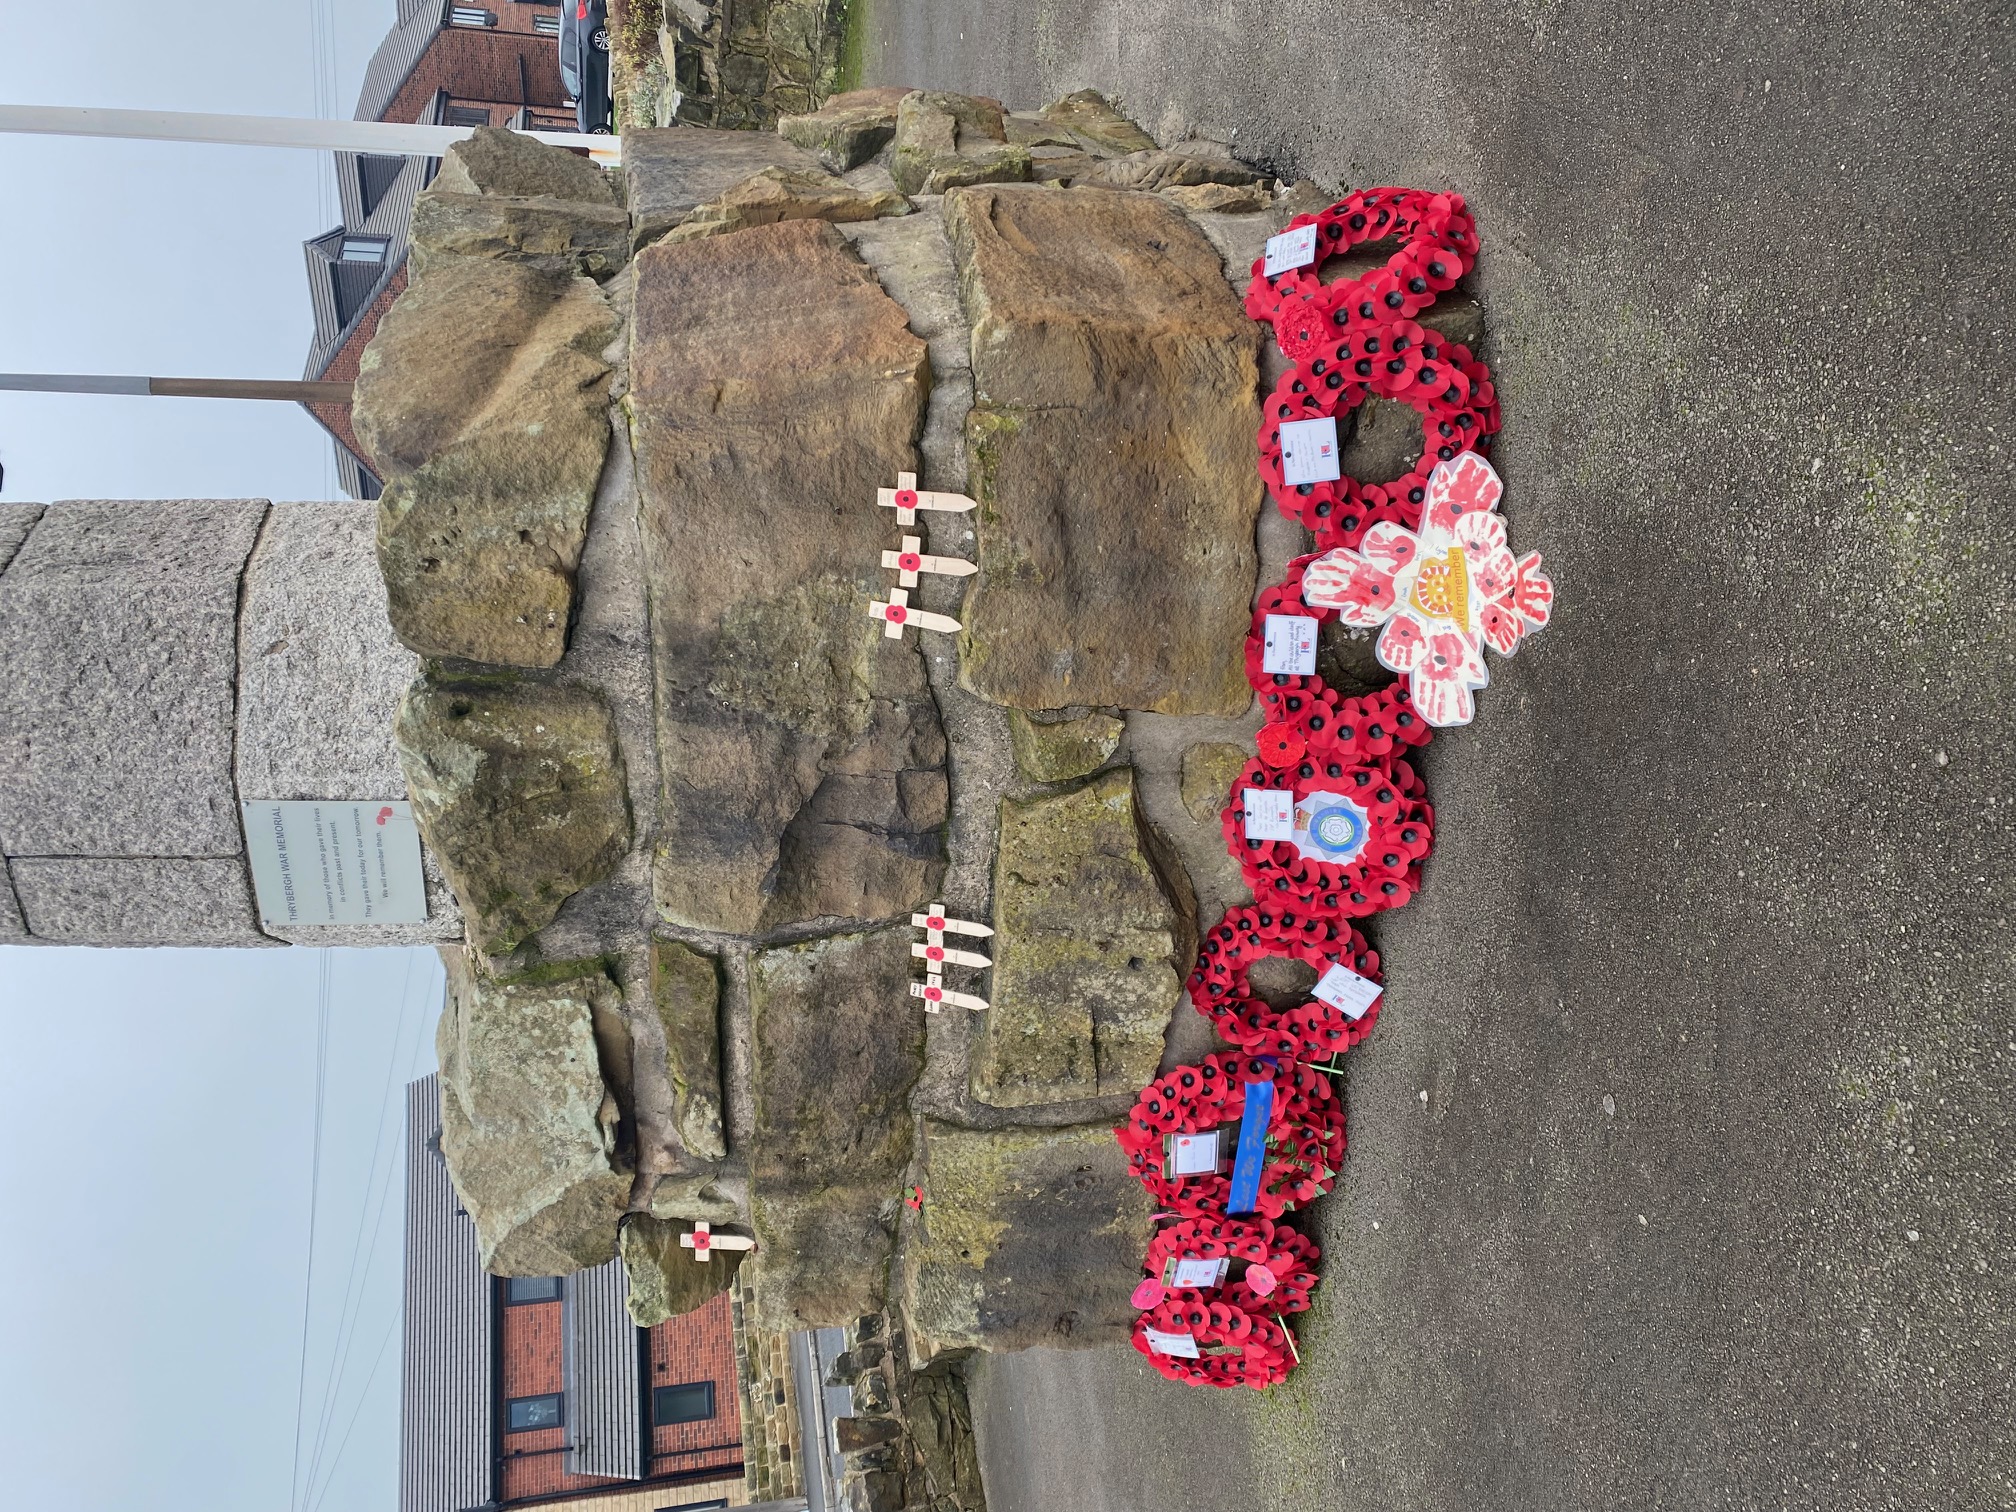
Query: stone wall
[
  {"x": 688, "y": 791},
  {"x": 168, "y": 658},
  {"x": 744, "y": 63}
]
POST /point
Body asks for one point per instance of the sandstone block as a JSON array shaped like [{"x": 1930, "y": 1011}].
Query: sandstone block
[
  {"x": 177, "y": 900},
  {"x": 484, "y": 400},
  {"x": 694, "y": 1198},
  {"x": 1094, "y": 932},
  {"x": 120, "y": 623},
  {"x": 497, "y": 161},
  {"x": 528, "y": 1126},
  {"x": 780, "y": 194},
  {"x": 1090, "y": 117},
  {"x": 671, "y": 171},
  {"x": 1115, "y": 383},
  {"x": 839, "y": 1043},
  {"x": 686, "y": 990},
  {"x": 519, "y": 791},
  {"x": 1030, "y": 1238},
  {"x": 802, "y": 761},
  {"x": 944, "y": 140},
  {"x": 1220, "y": 199},
  {"x": 666, "y": 1281},
  {"x": 1208, "y": 770},
  {"x": 1056, "y": 750},
  {"x": 560, "y": 236},
  {"x": 1154, "y": 170},
  {"x": 848, "y": 129}
]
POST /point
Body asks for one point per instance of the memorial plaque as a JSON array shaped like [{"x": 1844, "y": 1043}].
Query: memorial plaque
[{"x": 318, "y": 863}]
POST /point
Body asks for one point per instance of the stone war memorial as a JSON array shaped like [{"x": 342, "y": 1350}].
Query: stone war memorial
[{"x": 796, "y": 548}]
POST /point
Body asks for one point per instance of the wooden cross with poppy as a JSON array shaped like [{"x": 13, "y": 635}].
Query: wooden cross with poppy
[
  {"x": 906, "y": 498},
  {"x": 932, "y": 990},
  {"x": 897, "y": 613},
  {"x": 910, "y": 561},
  {"x": 703, "y": 1241}
]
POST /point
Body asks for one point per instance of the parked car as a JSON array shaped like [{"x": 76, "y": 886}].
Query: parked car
[{"x": 584, "y": 62}]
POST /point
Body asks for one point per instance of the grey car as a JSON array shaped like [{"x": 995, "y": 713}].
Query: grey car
[{"x": 584, "y": 62}]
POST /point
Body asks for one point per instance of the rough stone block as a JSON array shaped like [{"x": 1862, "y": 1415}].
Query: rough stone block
[
  {"x": 944, "y": 140},
  {"x": 16, "y": 520},
  {"x": 848, "y": 129},
  {"x": 1029, "y": 1238},
  {"x": 562, "y": 236},
  {"x": 1156, "y": 170},
  {"x": 1094, "y": 932},
  {"x": 119, "y": 621},
  {"x": 1208, "y": 770},
  {"x": 497, "y": 161},
  {"x": 528, "y": 1125},
  {"x": 666, "y": 1280},
  {"x": 801, "y": 756},
  {"x": 174, "y": 900},
  {"x": 1056, "y": 750},
  {"x": 686, "y": 990},
  {"x": 484, "y": 401},
  {"x": 671, "y": 171},
  {"x": 1118, "y": 573},
  {"x": 519, "y": 791},
  {"x": 839, "y": 1043},
  {"x": 1091, "y": 119},
  {"x": 778, "y": 194}
]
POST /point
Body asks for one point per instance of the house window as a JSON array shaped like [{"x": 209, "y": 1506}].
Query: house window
[
  {"x": 546, "y": 26},
  {"x": 532, "y": 1289},
  {"x": 471, "y": 15},
  {"x": 468, "y": 115},
  {"x": 364, "y": 249},
  {"x": 528, "y": 1413},
  {"x": 692, "y": 1403}
]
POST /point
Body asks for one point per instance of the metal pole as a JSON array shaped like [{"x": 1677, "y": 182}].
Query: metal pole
[
  {"x": 179, "y": 388},
  {"x": 388, "y": 137}
]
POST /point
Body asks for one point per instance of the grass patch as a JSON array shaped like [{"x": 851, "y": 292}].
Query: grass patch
[{"x": 853, "y": 48}]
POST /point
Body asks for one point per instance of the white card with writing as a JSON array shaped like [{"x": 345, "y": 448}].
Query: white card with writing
[
  {"x": 1189, "y": 1270},
  {"x": 1291, "y": 249},
  {"x": 1183, "y": 1345},
  {"x": 1309, "y": 452},
  {"x": 1290, "y": 645},
  {"x": 1344, "y": 989},
  {"x": 1270, "y": 814},
  {"x": 1193, "y": 1154}
]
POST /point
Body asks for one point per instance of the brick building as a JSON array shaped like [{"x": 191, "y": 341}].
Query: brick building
[
  {"x": 539, "y": 1391},
  {"x": 496, "y": 63}
]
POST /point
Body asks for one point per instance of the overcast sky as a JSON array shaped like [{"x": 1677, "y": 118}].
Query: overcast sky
[{"x": 157, "y": 1108}]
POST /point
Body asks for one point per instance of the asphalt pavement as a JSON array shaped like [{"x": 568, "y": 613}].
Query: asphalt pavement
[{"x": 1681, "y": 1160}]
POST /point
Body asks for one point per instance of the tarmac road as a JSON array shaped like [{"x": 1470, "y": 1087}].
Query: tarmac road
[{"x": 1681, "y": 1170}]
